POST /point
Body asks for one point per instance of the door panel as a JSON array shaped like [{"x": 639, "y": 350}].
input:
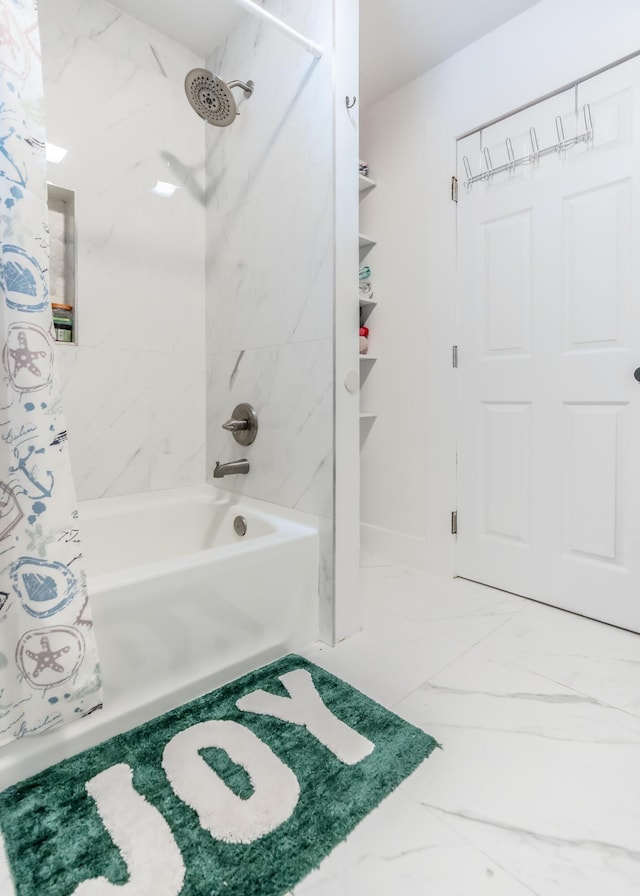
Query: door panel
[
  {"x": 507, "y": 471},
  {"x": 593, "y": 477},
  {"x": 506, "y": 284},
  {"x": 597, "y": 225},
  {"x": 549, "y": 336}
]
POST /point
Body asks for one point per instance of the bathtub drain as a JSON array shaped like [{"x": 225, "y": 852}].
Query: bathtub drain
[{"x": 240, "y": 525}]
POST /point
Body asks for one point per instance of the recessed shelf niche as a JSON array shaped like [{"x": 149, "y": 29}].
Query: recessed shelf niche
[{"x": 62, "y": 256}]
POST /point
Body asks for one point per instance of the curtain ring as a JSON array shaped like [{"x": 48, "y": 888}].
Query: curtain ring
[{"x": 350, "y": 104}]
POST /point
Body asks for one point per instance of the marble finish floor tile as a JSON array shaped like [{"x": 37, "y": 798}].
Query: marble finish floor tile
[
  {"x": 391, "y": 657},
  {"x": 401, "y": 848},
  {"x": 455, "y": 607},
  {"x": 537, "y": 787},
  {"x": 543, "y": 779},
  {"x": 591, "y": 657}
]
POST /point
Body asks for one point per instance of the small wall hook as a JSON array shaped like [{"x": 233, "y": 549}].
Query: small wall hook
[
  {"x": 350, "y": 102},
  {"x": 488, "y": 162}
]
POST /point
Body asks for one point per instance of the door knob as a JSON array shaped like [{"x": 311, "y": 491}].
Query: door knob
[{"x": 636, "y": 373}]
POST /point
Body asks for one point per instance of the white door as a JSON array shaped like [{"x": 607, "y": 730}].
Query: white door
[{"x": 549, "y": 338}]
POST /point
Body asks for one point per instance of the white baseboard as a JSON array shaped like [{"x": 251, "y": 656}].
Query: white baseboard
[{"x": 396, "y": 546}]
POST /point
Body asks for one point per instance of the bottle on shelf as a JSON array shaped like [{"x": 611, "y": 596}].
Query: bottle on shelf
[
  {"x": 62, "y": 322},
  {"x": 366, "y": 300}
]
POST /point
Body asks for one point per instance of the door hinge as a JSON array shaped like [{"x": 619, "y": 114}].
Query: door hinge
[
  {"x": 454, "y": 522},
  {"x": 454, "y": 188},
  {"x": 454, "y": 355}
]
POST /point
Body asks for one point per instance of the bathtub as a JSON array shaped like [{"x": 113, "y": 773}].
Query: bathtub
[{"x": 181, "y": 604}]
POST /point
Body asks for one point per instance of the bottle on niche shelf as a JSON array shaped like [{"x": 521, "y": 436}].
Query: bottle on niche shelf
[
  {"x": 62, "y": 322},
  {"x": 364, "y": 340}
]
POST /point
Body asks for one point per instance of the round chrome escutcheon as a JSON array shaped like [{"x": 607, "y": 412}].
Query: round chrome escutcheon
[{"x": 240, "y": 525}]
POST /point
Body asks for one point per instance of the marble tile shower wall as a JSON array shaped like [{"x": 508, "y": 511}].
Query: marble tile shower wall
[
  {"x": 134, "y": 387},
  {"x": 270, "y": 266}
]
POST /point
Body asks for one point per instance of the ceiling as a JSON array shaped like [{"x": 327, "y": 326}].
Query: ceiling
[
  {"x": 399, "y": 39},
  {"x": 199, "y": 25}
]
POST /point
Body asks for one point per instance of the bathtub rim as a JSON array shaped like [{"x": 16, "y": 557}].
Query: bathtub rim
[
  {"x": 286, "y": 525},
  {"x": 202, "y": 493}
]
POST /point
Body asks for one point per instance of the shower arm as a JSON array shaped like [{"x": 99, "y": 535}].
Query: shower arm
[
  {"x": 313, "y": 48},
  {"x": 248, "y": 87}
]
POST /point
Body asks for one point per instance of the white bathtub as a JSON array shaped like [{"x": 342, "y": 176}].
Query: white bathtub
[{"x": 182, "y": 604}]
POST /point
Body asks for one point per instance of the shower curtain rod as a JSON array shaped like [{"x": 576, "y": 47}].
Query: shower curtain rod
[{"x": 261, "y": 13}]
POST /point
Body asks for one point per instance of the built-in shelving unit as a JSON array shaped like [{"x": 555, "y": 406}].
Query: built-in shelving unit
[
  {"x": 365, "y": 183},
  {"x": 366, "y": 242},
  {"x": 367, "y": 306}
]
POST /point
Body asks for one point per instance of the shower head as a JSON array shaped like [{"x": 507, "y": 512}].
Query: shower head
[{"x": 211, "y": 98}]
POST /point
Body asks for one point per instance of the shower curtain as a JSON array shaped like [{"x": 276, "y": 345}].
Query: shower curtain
[{"x": 49, "y": 670}]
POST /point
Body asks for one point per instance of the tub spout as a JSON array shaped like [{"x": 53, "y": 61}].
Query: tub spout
[{"x": 236, "y": 466}]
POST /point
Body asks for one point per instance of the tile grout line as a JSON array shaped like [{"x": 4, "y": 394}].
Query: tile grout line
[
  {"x": 438, "y": 813},
  {"x": 570, "y": 687},
  {"x": 450, "y": 662}
]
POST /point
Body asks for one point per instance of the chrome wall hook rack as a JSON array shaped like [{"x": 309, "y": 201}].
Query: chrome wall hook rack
[{"x": 564, "y": 143}]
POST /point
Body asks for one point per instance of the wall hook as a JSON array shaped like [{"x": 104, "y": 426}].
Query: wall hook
[
  {"x": 350, "y": 102},
  {"x": 488, "y": 162}
]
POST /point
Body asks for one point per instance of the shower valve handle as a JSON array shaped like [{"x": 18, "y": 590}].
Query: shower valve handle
[
  {"x": 234, "y": 425},
  {"x": 243, "y": 424}
]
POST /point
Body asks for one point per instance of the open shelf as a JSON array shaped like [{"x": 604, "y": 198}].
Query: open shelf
[
  {"x": 365, "y": 183},
  {"x": 366, "y": 307},
  {"x": 365, "y": 242}
]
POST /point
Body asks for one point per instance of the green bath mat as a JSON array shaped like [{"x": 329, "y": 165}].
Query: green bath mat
[{"x": 241, "y": 792}]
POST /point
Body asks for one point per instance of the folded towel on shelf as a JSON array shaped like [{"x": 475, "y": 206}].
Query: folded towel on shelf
[
  {"x": 365, "y": 272},
  {"x": 366, "y": 289}
]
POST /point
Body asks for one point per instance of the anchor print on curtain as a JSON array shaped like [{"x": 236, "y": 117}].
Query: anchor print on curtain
[{"x": 49, "y": 670}]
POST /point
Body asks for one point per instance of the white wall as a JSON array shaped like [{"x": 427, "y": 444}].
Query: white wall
[
  {"x": 271, "y": 271},
  {"x": 134, "y": 386},
  {"x": 348, "y": 610},
  {"x": 408, "y": 460}
]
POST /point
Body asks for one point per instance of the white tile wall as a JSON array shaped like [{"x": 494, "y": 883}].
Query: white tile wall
[
  {"x": 134, "y": 388},
  {"x": 57, "y": 244},
  {"x": 290, "y": 389},
  {"x": 105, "y": 394},
  {"x": 270, "y": 265}
]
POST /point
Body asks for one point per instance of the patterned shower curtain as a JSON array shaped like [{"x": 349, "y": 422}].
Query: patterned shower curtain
[{"x": 49, "y": 670}]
